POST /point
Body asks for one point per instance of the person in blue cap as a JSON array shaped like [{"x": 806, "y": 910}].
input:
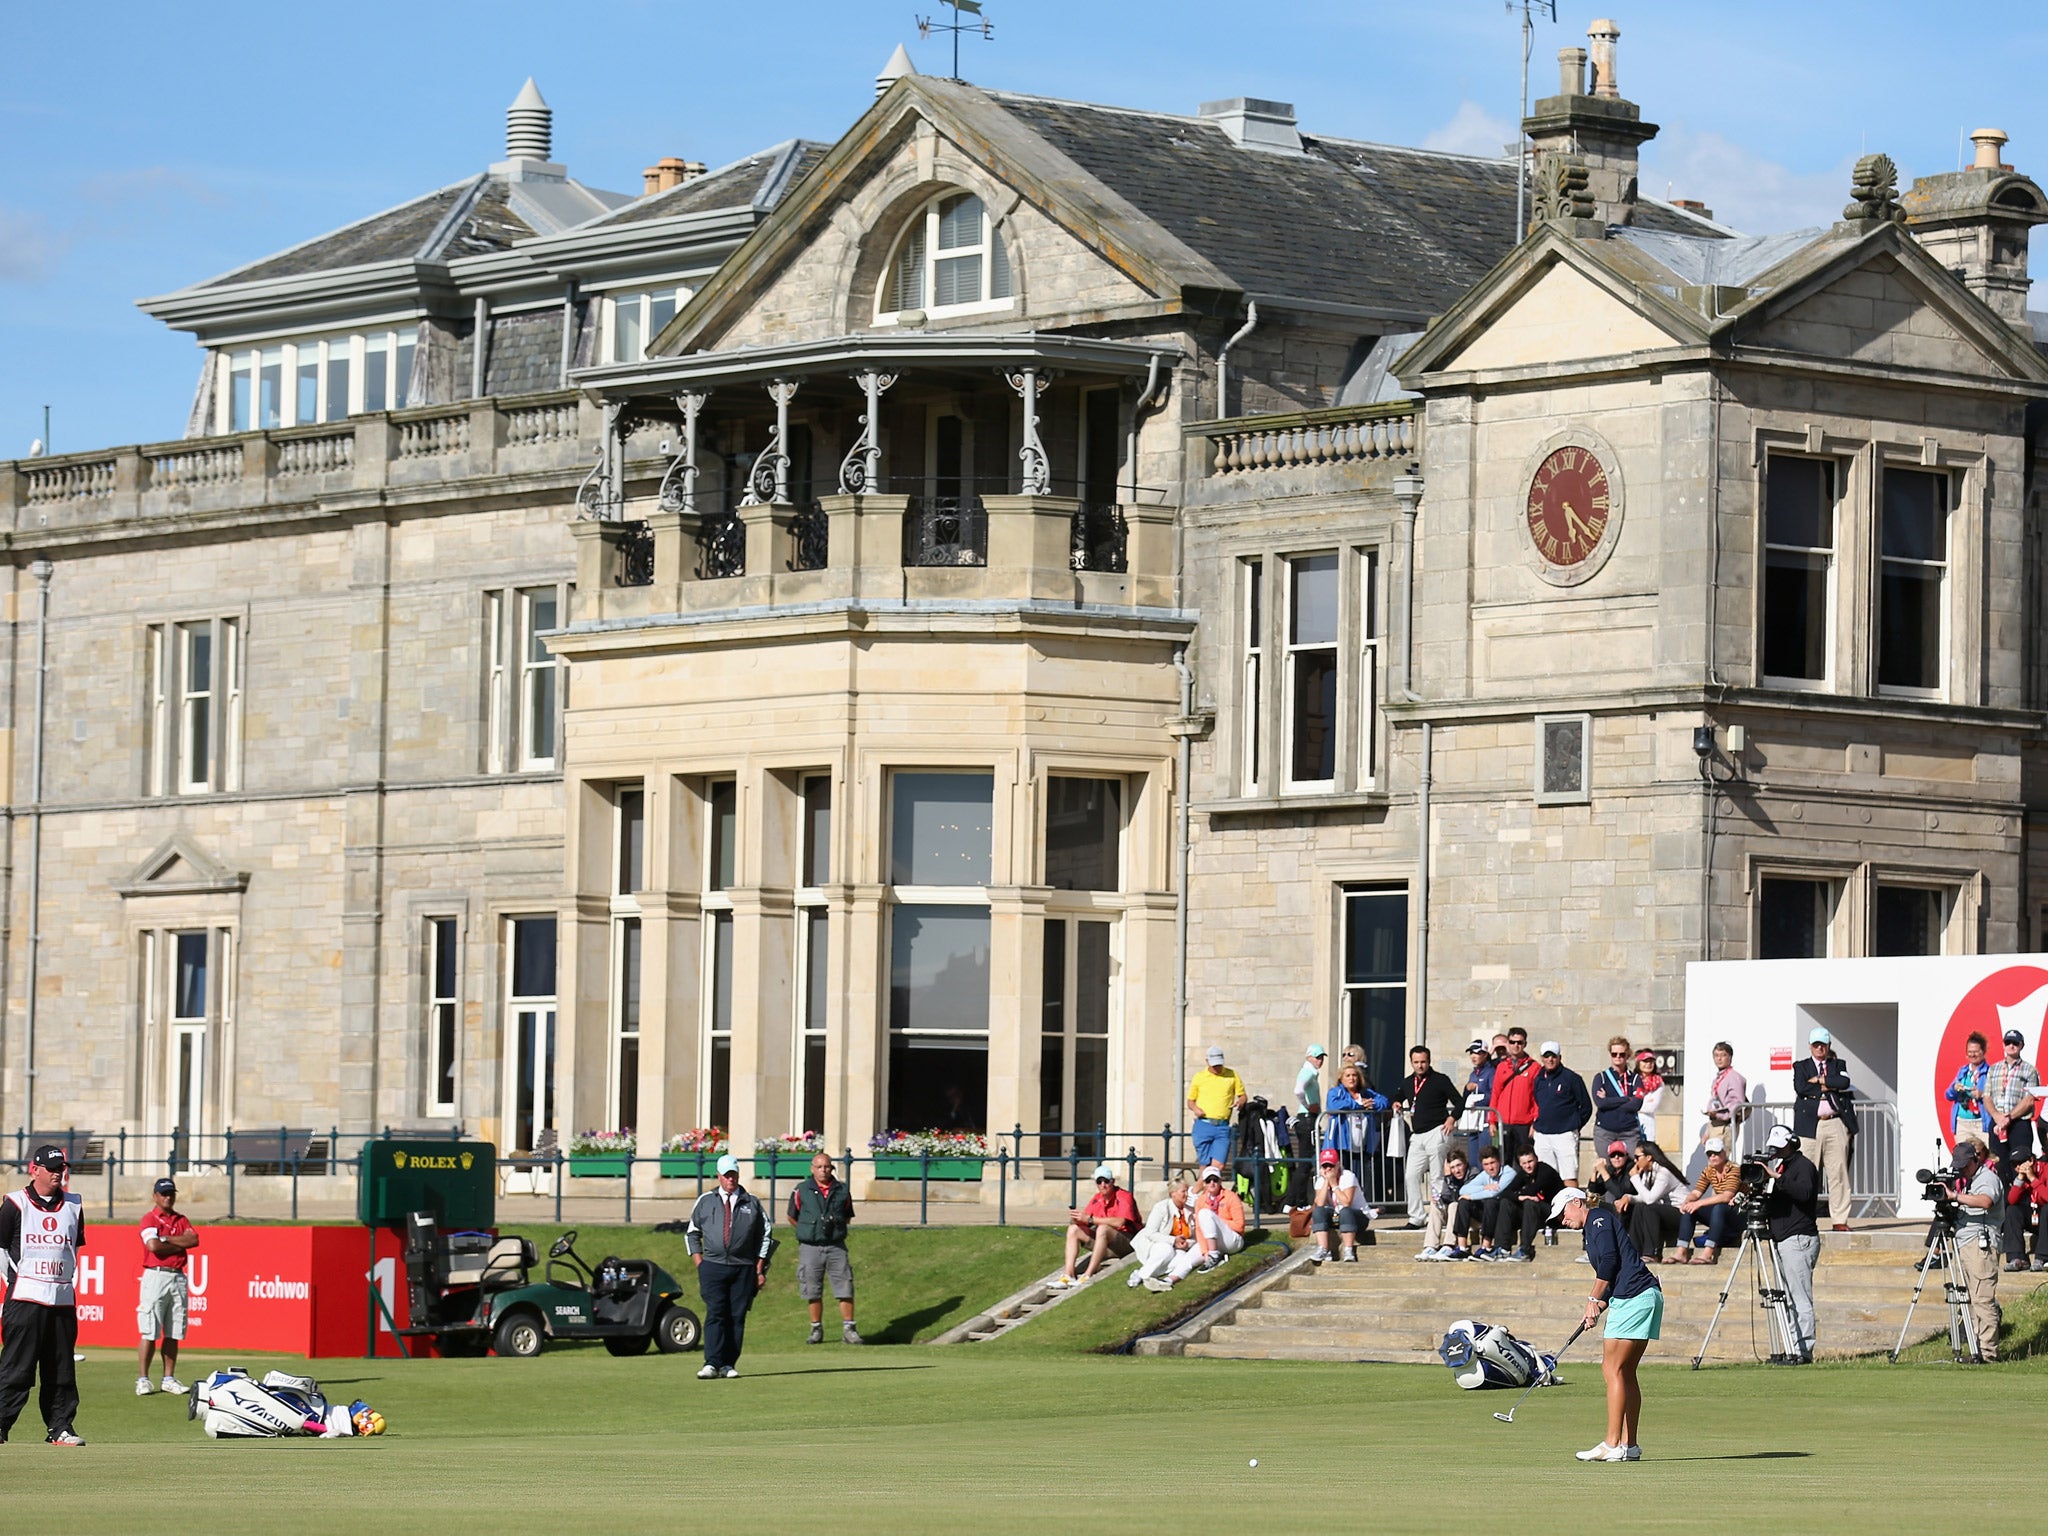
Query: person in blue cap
[
  {"x": 1626, "y": 1291},
  {"x": 729, "y": 1238}
]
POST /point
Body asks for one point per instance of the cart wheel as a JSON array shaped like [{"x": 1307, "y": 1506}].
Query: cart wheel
[
  {"x": 676, "y": 1330},
  {"x": 519, "y": 1335},
  {"x": 636, "y": 1345}
]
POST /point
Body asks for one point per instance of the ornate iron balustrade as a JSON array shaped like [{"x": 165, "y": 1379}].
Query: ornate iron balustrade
[
  {"x": 1101, "y": 539},
  {"x": 945, "y": 530},
  {"x": 721, "y": 546},
  {"x": 636, "y": 556},
  {"x": 811, "y": 530}
]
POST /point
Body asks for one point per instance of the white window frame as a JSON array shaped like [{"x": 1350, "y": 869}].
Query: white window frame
[
  {"x": 1837, "y": 478},
  {"x": 443, "y": 1014},
  {"x": 1583, "y": 795},
  {"x": 1290, "y": 652},
  {"x": 1253, "y": 747},
  {"x": 641, "y": 306},
  {"x": 156, "y": 686},
  {"x": 532, "y": 670},
  {"x": 168, "y": 650},
  {"x": 393, "y": 344},
  {"x": 628, "y": 960},
  {"x": 512, "y": 675},
  {"x": 207, "y": 1099},
  {"x": 717, "y": 906},
  {"x": 926, "y": 222},
  {"x": 813, "y": 913},
  {"x": 546, "y": 1024},
  {"x": 1951, "y": 501},
  {"x": 1365, "y": 688}
]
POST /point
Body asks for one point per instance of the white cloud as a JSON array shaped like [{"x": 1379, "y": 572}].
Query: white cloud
[
  {"x": 1755, "y": 195},
  {"x": 28, "y": 247},
  {"x": 1473, "y": 131}
]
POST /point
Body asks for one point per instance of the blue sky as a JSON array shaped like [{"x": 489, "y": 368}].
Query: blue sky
[{"x": 147, "y": 149}]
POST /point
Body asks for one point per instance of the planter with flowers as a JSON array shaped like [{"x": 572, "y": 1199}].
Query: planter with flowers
[
  {"x": 600, "y": 1154},
  {"x": 786, "y": 1157},
  {"x": 956, "y": 1155},
  {"x": 692, "y": 1154}
]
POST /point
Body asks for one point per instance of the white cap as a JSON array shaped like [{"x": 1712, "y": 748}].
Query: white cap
[
  {"x": 728, "y": 1164},
  {"x": 1780, "y": 1138},
  {"x": 1563, "y": 1198},
  {"x": 1820, "y": 1037},
  {"x": 1215, "y": 1055},
  {"x": 1213, "y": 1171},
  {"x": 1550, "y": 1048},
  {"x": 1104, "y": 1171},
  {"x": 1716, "y": 1144}
]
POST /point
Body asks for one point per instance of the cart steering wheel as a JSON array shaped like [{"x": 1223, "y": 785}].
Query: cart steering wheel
[{"x": 562, "y": 1244}]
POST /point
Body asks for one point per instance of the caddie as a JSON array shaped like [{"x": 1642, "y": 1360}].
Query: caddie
[
  {"x": 41, "y": 1230},
  {"x": 168, "y": 1239}
]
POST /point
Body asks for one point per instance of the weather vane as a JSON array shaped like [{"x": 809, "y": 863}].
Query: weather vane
[{"x": 962, "y": 9}]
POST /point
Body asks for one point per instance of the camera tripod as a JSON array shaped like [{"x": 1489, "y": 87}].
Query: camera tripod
[
  {"x": 1759, "y": 1245},
  {"x": 1944, "y": 1251}
]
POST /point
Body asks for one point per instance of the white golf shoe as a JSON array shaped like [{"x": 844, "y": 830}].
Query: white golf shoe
[
  {"x": 142, "y": 1386},
  {"x": 1601, "y": 1452},
  {"x": 174, "y": 1386},
  {"x": 707, "y": 1373}
]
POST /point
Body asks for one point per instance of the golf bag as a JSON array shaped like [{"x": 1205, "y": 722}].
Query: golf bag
[
  {"x": 1483, "y": 1355},
  {"x": 235, "y": 1407}
]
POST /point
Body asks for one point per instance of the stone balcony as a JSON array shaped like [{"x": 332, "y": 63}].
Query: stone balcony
[
  {"x": 421, "y": 453},
  {"x": 1300, "y": 453}
]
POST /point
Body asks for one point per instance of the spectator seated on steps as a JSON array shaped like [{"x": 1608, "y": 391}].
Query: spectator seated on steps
[
  {"x": 1165, "y": 1246},
  {"x": 1525, "y": 1208},
  {"x": 1442, "y": 1214},
  {"x": 1707, "y": 1211},
  {"x": 1479, "y": 1204},
  {"x": 1337, "y": 1203},
  {"x": 1219, "y": 1219},
  {"x": 1104, "y": 1226}
]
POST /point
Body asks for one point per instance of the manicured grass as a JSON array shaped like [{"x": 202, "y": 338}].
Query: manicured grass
[{"x": 1108, "y": 1316}]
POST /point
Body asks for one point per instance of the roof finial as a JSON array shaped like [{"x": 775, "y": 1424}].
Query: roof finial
[
  {"x": 1874, "y": 192},
  {"x": 529, "y": 125},
  {"x": 898, "y": 66}
]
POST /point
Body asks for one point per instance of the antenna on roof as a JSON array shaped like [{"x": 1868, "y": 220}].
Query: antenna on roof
[
  {"x": 1549, "y": 10},
  {"x": 962, "y": 9}
]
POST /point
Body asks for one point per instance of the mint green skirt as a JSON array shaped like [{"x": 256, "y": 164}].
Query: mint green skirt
[{"x": 1639, "y": 1317}]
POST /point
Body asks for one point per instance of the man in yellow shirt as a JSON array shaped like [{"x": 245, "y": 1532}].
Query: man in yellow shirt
[{"x": 1214, "y": 1094}]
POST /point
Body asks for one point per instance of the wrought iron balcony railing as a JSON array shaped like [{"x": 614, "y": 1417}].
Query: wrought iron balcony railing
[
  {"x": 1101, "y": 539},
  {"x": 945, "y": 530}
]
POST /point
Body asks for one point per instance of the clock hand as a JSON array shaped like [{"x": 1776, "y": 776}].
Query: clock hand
[{"x": 1577, "y": 524}]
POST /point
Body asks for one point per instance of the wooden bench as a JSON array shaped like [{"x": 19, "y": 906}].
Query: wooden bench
[{"x": 277, "y": 1152}]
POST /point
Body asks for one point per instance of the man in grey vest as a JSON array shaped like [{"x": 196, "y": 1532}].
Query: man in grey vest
[
  {"x": 820, "y": 1209},
  {"x": 41, "y": 1230}
]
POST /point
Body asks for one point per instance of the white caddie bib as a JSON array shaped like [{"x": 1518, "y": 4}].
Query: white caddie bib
[{"x": 49, "y": 1251}]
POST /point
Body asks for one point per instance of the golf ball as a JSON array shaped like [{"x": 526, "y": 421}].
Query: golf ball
[{"x": 1255, "y": 1461}]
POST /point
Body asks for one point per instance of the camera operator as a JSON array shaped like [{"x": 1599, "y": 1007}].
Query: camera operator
[
  {"x": 1981, "y": 1198},
  {"x": 1790, "y": 1208}
]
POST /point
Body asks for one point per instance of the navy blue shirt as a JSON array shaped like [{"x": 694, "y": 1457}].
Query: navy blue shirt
[{"x": 1614, "y": 1257}]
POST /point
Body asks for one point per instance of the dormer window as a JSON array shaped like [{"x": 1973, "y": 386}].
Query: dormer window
[
  {"x": 635, "y": 319},
  {"x": 300, "y": 383},
  {"x": 950, "y": 261}
]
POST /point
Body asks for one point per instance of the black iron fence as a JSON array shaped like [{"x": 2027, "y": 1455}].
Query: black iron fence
[{"x": 945, "y": 530}]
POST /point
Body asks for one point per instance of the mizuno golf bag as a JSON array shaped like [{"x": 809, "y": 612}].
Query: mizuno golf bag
[
  {"x": 1482, "y": 1355},
  {"x": 236, "y": 1408}
]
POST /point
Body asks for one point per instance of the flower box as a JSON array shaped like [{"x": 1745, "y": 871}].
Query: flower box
[
  {"x": 599, "y": 1165},
  {"x": 955, "y": 1168},
  {"x": 782, "y": 1165},
  {"x": 689, "y": 1165}
]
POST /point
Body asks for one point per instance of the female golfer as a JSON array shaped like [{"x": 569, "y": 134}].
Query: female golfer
[{"x": 1628, "y": 1293}]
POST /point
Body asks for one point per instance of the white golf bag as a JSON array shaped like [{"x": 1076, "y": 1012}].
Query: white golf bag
[
  {"x": 1483, "y": 1355},
  {"x": 236, "y": 1407}
]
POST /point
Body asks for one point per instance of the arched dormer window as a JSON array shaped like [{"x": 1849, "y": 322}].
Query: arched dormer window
[{"x": 950, "y": 261}]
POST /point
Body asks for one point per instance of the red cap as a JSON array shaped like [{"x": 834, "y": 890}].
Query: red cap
[
  {"x": 1329, "y": 1157},
  {"x": 1617, "y": 1146}
]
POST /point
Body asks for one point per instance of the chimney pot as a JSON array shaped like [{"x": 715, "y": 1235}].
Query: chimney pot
[
  {"x": 1988, "y": 141},
  {"x": 529, "y": 125},
  {"x": 1603, "y": 35},
  {"x": 1571, "y": 71},
  {"x": 667, "y": 172}
]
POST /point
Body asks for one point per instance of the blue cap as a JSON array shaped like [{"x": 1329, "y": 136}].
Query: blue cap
[
  {"x": 166, "y": 1186},
  {"x": 728, "y": 1164}
]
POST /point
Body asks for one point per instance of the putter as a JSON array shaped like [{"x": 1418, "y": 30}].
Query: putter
[{"x": 1509, "y": 1416}]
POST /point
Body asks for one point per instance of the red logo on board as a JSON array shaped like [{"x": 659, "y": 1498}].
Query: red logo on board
[{"x": 2014, "y": 998}]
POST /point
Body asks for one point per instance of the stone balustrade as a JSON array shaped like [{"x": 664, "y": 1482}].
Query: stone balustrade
[
  {"x": 1300, "y": 453},
  {"x": 553, "y": 437}
]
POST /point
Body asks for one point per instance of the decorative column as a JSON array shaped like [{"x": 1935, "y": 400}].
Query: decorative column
[
  {"x": 768, "y": 481},
  {"x": 1030, "y": 383},
  {"x": 602, "y": 493},
  {"x": 862, "y": 467},
  {"x": 679, "y": 484}
]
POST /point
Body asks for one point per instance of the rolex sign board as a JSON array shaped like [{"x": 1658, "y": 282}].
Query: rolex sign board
[{"x": 456, "y": 1180}]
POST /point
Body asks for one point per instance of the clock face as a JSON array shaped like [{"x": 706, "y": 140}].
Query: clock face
[{"x": 1569, "y": 502}]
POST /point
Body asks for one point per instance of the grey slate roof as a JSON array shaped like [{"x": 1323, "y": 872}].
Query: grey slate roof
[
  {"x": 525, "y": 353},
  {"x": 393, "y": 235},
  {"x": 1723, "y": 263},
  {"x": 758, "y": 181},
  {"x": 1403, "y": 231}
]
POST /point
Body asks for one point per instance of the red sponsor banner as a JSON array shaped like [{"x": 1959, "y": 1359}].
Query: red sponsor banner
[{"x": 294, "y": 1290}]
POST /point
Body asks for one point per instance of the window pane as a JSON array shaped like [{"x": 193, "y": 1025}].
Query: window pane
[
  {"x": 241, "y": 401},
  {"x": 721, "y": 972},
  {"x": 938, "y": 1083},
  {"x": 1314, "y": 707},
  {"x": 908, "y": 284},
  {"x": 724, "y": 796},
  {"x": 444, "y": 943},
  {"x": 1795, "y": 614},
  {"x": 1792, "y": 920},
  {"x": 198, "y": 660},
  {"x": 720, "y": 1094},
  {"x": 191, "y": 990},
  {"x": 1909, "y": 626},
  {"x": 661, "y": 308},
  {"x": 401, "y": 373},
  {"x": 938, "y": 969},
  {"x": 1908, "y": 921},
  {"x": 627, "y": 1109},
  {"x": 376, "y": 373},
  {"x": 1052, "y": 1008},
  {"x": 1000, "y": 283},
  {"x": 306, "y": 401},
  {"x": 1091, "y": 980},
  {"x": 941, "y": 828},
  {"x": 956, "y": 280},
  {"x": 540, "y": 618},
  {"x": 814, "y": 1084},
  {"x": 959, "y": 223},
  {"x": 1799, "y": 503},
  {"x": 270, "y": 388},
  {"x": 818, "y": 965},
  {"x": 1313, "y": 617},
  {"x": 1915, "y": 508},
  {"x": 1375, "y": 937},
  {"x": 1376, "y": 1019},
  {"x": 337, "y": 380},
  {"x": 533, "y": 957},
  {"x": 626, "y": 329},
  {"x": 198, "y": 731},
  {"x": 1083, "y": 834},
  {"x": 629, "y": 976},
  {"x": 444, "y": 1054},
  {"x": 540, "y": 725},
  {"x": 632, "y": 841},
  {"x": 817, "y": 869}
]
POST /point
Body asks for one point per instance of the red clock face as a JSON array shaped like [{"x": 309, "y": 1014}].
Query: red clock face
[{"x": 1568, "y": 506}]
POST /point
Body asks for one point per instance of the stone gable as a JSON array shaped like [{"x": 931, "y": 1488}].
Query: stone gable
[{"x": 1561, "y": 317}]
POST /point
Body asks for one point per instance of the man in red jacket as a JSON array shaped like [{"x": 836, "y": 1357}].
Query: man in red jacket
[{"x": 1514, "y": 1096}]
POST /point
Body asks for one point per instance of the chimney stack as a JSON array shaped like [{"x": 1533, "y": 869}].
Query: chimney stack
[
  {"x": 1600, "y": 126},
  {"x": 529, "y": 125},
  {"x": 669, "y": 172},
  {"x": 1975, "y": 223}
]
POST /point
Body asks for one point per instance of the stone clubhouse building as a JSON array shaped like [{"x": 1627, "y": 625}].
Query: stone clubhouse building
[{"x": 939, "y": 628}]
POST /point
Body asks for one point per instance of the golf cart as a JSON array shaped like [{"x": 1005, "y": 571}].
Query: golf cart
[{"x": 471, "y": 1291}]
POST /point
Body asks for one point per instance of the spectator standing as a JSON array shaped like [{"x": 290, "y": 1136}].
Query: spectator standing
[
  {"x": 1353, "y": 1128},
  {"x": 1966, "y": 1092},
  {"x": 1525, "y": 1209},
  {"x": 1708, "y": 1206},
  {"x": 2027, "y": 1192},
  {"x": 167, "y": 1240},
  {"x": 2010, "y": 1093},
  {"x": 1219, "y": 1220},
  {"x": 821, "y": 1210},
  {"x": 1165, "y": 1245},
  {"x": 1618, "y": 1096},
  {"x": 1514, "y": 1094},
  {"x": 41, "y": 1230},
  {"x": 1473, "y": 1121},
  {"x": 1443, "y": 1210},
  {"x": 1562, "y": 1109},
  {"x": 1727, "y": 1098},
  {"x": 1214, "y": 1094},
  {"x": 1479, "y": 1203},
  {"x": 1824, "y": 1118},
  {"x": 1982, "y": 1199},
  {"x": 1338, "y": 1203},
  {"x": 1791, "y": 1209},
  {"x": 1301, "y": 1130},
  {"x": 1431, "y": 1100},
  {"x": 1653, "y": 1092},
  {"x": 1104, "y": 1226},
  {"x": 729, "y": 1238}
]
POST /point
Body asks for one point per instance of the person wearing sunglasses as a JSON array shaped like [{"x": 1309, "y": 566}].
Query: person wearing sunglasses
[
  {"x": 1618, "y": 1096},
  {"x": 1103, "y": 1226}
]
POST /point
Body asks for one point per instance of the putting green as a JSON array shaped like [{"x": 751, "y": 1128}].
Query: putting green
[{"x": 889, "y": 1439}]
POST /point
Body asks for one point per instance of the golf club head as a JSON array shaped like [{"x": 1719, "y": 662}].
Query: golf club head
[{"x": 1505, "y": 1418}]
